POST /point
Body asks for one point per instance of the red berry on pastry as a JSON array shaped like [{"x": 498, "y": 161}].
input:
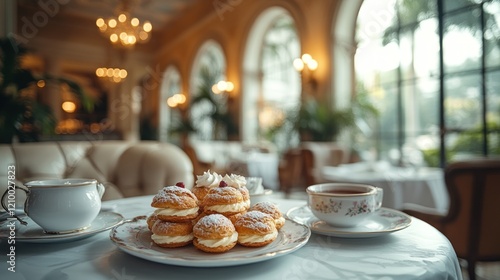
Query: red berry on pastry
[
  {"x": 222, "y": 184},
  {"x": 180, "y": 184}
]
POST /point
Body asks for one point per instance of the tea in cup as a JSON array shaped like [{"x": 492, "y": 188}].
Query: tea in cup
[
  {"x": 344, "y": 204},
  {"x": 62, "y": 205}
]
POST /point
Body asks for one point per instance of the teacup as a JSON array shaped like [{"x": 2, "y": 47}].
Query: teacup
[
  {"x": 62, "y": 205},
  {"x": 344, "y": 204}
]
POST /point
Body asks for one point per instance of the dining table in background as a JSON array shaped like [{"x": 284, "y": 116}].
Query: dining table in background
[
  {"x": 422, "y": 186},
  {"x": 418, "y": 251}
]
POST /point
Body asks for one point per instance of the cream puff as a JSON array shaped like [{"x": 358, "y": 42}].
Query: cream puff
[
  {"x": 175, "y": 204},
  {"x": 172, "y": 235},
  {"x": 224, "y": 200},
  {"x": 151, "y": 220},
  {"x": 214, "y": 233},
  {"x": 272, "y": 210},
  {"x": 205, "y": 182},
  {"x": 238, "y": 182},
  {"x": 255, "y": 229}
]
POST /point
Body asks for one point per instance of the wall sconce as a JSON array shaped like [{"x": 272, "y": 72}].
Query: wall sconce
[
  {"x": 223, "y": 87},
  {"x": 306, "y": 65},
  {"x": 177, "y": 100},
  {"x": 306, "y": 60}
]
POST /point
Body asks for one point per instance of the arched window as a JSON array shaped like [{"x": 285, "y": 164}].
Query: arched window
[
  {"x": 433, "y": 69},
  {"x": 171, "y": 85},
  {"x": 272, "y": 86},
  {"x": 209, "y": 67}
]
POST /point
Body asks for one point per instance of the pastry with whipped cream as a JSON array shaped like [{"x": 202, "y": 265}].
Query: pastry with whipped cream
[
  {"x": 151, "y": 220},
  {"x": 255, "y": 229},
  {"x": 238, "y": 182},
  {"x": 214, "y": 233},
  {"x": 224, "y": 200},
  {"x": 172, "y": 235},
  {"x": 205, "y": 182},
  {"x": 271, "y": 209},
  {"x": 175, "y": 204}
]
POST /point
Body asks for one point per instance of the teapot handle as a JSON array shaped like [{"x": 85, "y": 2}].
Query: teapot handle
[
  {"x": 4, "y": 206},
  {"x": 100, "y": 189}
]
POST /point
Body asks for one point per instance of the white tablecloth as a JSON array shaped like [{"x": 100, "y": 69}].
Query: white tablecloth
[
  {"x": 417, "y": 252},
  {"x": 423, "y": 186}
]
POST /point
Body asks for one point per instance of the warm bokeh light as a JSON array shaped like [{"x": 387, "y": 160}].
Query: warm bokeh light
[
  {"x": 176, "y": 100},
  {"x": 40, "y": 83},
  {"x": 113, "y": 74},
  {"x": 306, "y": 60},
  {"x": 124, "y": 30},
  {"x": 222, "y": 86},
  {"x": 68, "y": 106}
]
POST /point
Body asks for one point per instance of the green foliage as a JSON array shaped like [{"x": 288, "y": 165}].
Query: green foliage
[
  {"x": 221, "y": 118},
  {"x": 316, "y": 121}
]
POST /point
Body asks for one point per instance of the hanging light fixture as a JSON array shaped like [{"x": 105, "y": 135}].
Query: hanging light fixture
[{"x": 123, "y": 29}]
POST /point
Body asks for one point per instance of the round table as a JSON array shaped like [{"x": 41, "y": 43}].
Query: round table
[{"x": 416, "y": 252}]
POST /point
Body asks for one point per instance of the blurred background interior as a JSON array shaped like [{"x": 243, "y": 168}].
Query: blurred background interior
[{"x": 269, "y": 88}]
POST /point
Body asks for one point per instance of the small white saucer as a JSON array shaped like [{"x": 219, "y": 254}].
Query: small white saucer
[
  {"x": 384, "y": 221},
  {"x": 32, "y": 233}
]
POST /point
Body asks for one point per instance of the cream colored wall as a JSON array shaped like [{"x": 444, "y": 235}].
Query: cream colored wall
[{"x": 229, "y": 25}]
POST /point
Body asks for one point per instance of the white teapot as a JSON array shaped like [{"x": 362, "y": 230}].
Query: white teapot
[{"x": 62, "y": 205}]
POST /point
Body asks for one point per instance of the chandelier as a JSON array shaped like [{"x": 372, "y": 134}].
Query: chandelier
[{"x": 123, "y": 29}]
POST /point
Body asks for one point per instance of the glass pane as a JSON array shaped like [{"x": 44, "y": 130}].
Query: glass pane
[
  {"x": 377, "y": 63},
  {"x": 462, "y": 103},
  {"x": 451, "y": 5},
  {"x": 493, "y": 111},
  {"x": 462, "y": 41},
  {"x": 386, "y": 101},
  {"x": 411, "y": 11},
  {"x": 420, "y": 51},
  {"x": 463, "y": 145},
  {"x": 492, "y": 33},
  {"x": 421, "y": 115}
]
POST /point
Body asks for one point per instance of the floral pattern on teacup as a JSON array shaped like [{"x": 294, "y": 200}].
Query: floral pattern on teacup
[
  {"x": 323, "y": 207},
  {"x": 358, "y": 208}
]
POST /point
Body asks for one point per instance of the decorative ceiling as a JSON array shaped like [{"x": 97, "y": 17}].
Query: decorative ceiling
[{"x": 158, "y": 12}]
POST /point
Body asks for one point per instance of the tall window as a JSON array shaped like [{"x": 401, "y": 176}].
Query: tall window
[
  {"x": 272, "y": 86},
  {"x": 209, "y": 67},
  {"x": 433, "y": 69},
  {"x": 170, "y": 86},
  {"x": 280, "y": 82}
]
